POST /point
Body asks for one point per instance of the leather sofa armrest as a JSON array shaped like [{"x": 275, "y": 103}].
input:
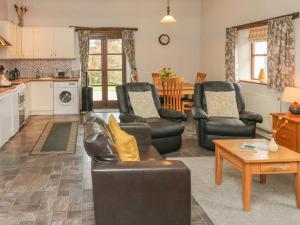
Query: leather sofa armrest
[
  {"x": 250, "y": 116},
  {"x": 199, "y": 114},
  {"x": 139, "y": 187},
  {"x": 172, "y": 115},
  {"x": 128, "y": 118},
  {"x": 141, "y": 132}
]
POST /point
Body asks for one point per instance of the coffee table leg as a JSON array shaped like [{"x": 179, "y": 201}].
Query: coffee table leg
[
  {"x": 263, "y": 178},
  {"x": 297, "y": 186},
  {"x": 218, "y": 167},
  {"x": 247, "y": 186}
]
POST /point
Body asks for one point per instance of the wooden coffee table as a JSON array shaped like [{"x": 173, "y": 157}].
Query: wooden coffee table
[{"x": 284, "y": 161}]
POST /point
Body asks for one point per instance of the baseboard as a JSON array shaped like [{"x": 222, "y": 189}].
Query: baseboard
[
  {"x": 41, "y": 113},
  {"x": 264, "y": 133}
]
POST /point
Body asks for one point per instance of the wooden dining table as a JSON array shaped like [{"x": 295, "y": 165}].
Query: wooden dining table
[{"x": 187, "y": 89}]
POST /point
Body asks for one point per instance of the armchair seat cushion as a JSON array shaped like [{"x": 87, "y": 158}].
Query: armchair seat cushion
[
  {"x": 227, "y": 127},
  {"x": 161, "y": 128}
]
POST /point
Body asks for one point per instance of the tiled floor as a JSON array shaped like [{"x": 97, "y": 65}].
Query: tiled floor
[{"x": 49, "y": 189}]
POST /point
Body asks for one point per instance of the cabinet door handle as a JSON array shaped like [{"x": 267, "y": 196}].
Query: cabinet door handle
[{"x": 283, "y": 136}]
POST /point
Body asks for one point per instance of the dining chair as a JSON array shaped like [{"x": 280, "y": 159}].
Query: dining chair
[
  {"x": 134, "y": 78},
  {"x": 200, "y": 77},
  {"x": 172, "y": 88},
  {"x": 156, "y": 80},
  {"x": 188, "y": 102}
]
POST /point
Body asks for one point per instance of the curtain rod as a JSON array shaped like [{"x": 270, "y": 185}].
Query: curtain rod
[
  {"x": 77, "y": 28},
  {"x": 264, "y": 22}
]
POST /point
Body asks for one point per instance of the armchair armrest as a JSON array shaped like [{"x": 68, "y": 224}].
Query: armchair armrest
[
  {"x": 139, "y": 187},
  {"x": 199, "y": 114},
  {"x": 172, "y": 114},
  {"x": 128, "y": 118},
  {"x": 141, "y": 132},
  {"x": 250, "y": 116}
]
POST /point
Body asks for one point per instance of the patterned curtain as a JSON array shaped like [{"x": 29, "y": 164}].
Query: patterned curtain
[
  {"x": 129, "y": 47},
  {"x": 84, "y": 45},
  {"x": 281, "y": 53},
  {"x": 230, "y": 48}
]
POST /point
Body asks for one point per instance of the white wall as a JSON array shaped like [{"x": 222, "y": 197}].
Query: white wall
[
  {"x": 3, "y": 10},
  {"x": 182, "y": 54},
  {"x": 217, "y": 15}
]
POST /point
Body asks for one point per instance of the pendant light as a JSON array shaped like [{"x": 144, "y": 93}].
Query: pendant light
[{"x": 168, "y": 18}]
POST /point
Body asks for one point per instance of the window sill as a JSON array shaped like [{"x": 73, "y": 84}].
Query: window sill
[{"x": 253, "y": 82}]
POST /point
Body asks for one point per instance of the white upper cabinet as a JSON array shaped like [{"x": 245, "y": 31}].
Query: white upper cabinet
[
  {"x": 37, "y": 42},
  {"x": 43, "y": 43},
  {"x": 57, "y": 43},
  {"x": 63, "y": 43},
  {"x": 27, "y": 43},
  {"x": 10, "y": 32}
]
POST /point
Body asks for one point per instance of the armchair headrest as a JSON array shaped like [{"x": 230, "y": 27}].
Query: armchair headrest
[{"x": 217, "y": 86}]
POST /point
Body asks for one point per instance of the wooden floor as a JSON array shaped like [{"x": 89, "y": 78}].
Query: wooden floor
[{"x": 57, "y": 189}]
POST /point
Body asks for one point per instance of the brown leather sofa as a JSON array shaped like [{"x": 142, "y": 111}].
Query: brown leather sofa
[{"x": 152, "y": 191}]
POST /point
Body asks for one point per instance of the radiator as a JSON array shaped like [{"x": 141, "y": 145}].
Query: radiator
[{"x": 264, "y": 104}]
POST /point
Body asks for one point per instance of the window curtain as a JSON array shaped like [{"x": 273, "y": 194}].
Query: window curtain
[
  {"x": 84, "y": 45},
  {"x": 230, "y": 49},
  {"x": 129, "y": 48},
  {"x": 281, "y": 53}
]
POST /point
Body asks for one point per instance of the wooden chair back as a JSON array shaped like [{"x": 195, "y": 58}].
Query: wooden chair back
[
  {"x": 134, "y": 78},
  {"x": 172, "y": 88},
  {"x": 156, "y": 80},
  {"x": 200, "y": 78}
]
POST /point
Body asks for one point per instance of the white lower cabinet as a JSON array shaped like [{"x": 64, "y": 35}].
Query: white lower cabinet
[
  {"x": 41, "y": 97},
  {"x": 5, "y": 118}
]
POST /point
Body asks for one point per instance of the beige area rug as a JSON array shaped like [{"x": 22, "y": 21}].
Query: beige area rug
[
  {"x": 58, "y": 138},
  {"x": 272, "y": 204}
]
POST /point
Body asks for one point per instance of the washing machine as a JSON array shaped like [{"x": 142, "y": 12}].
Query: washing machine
[{"x": 66, "y": 98}]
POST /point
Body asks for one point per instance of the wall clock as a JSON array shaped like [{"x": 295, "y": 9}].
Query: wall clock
[{"x": 164, "y": 39}]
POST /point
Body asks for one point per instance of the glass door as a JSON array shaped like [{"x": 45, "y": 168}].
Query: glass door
[{"x": 107, "y": 69}]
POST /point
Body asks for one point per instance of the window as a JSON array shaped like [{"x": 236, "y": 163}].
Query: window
[
  {"x": 106, "y": 69},
  {"x": 259, "y": 52}
]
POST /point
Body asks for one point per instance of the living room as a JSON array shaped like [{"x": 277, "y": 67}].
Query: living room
[{"x": 149, "y": 112}]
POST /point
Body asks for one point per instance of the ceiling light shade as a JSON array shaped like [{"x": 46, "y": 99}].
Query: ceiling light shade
[
  {"x": 168, "y": 18},
  {"x": 3, "y": 42}
]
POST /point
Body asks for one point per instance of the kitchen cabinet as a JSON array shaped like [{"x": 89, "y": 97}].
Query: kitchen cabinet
[
  {"x": 43, "y": 43},
  {"x": 5, "y": 118},
  {"x": 63, "y": 43},
  {"x": 41, "y": 97},
  {"x": 52, "y": 43},
  {"x": 37, "y": 42},
  {"x": 12, "y": 33},
  {"x": 27, "y": 43}
]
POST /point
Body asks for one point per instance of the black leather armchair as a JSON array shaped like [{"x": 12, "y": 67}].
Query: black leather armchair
[
  {"x": 165, "y": 131},
  {"x": 212, "y": 128}
]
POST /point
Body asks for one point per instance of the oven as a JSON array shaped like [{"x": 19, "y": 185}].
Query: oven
[{"x": 21, "y": 104}]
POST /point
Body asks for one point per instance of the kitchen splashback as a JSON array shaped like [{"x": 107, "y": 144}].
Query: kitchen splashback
[{"x": 48, "y": 67}]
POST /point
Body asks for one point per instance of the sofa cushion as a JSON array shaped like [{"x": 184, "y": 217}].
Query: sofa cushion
[
  {"x": 161, "y": 128},
  {"x": 142, "y": 104},
  {"x": 227, "y": 127},
  {"x": 221, "y": 104},
  {"x": 125, "y": 144},
  {"x": 98, "y": 142}
]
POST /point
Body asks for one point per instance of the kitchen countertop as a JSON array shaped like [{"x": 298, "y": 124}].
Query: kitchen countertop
[{"x": 29, "y": 79}]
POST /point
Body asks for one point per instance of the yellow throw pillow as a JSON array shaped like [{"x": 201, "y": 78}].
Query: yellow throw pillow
[
  {"x": 125, "y": 144},
  {"x": 113, "y": 124}
]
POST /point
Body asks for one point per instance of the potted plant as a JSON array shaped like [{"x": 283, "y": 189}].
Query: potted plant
[{"x": 166, "y": 73}]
